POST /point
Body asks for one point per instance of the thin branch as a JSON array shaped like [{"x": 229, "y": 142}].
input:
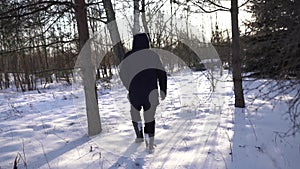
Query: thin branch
[
  {"x": 97, "y": 19},
  {"x": 60, "y": 16},
  {"x": 45, "y": 155},
  {"x": 210, "y": 11},
  {"x": 38, "y": 46},
  {"x": 217, "y": 5},
  {"x": 158, "y": 8},
  {"x": 94, "y": 3},
  {"x": 5, "y": 15},
  {"x": 152, "y": 16},
  {"x": 244, "y": 4}
]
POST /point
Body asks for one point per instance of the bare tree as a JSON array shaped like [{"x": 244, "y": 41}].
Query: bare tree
[
  {"x": 144, "y": 21},
  {"x": 29, "y": 32},
  {"x": 113, "y": 30},
  {"x": 136, "y": 16},
  {"x": 236, "y": 61},
  {"x": 93, "y": 117}
]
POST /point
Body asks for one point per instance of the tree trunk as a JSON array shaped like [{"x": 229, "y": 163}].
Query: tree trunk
[
  {"x": 136, "y": 17},
  {"x": 93, "y": 117},
  {"x": 236, "y": 61},
  {"x": 113, "y": 30},
  {"x": 1, "y": 80},
  {"x": 6, "y": 82},
  {"x": 144, "y": 21}
]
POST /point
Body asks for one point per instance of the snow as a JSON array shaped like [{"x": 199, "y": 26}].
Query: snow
[{"x": 197, "y": 127}]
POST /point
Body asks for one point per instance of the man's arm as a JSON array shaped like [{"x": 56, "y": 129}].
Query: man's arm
[{"x": 162, "y": 80}]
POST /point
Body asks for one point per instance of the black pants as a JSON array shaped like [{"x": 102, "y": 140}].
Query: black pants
[
  {"x": 149, "y": 121},
  {"x": 149, "y": 115},
  {"x": 149, "y": 104}
]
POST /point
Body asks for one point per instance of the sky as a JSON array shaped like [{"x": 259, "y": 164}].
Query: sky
[
  {"x": 222, "y": 18},
  {"x": 201, "y": 22}
]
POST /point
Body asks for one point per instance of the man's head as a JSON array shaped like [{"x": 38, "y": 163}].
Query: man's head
[{"x": 140, "y": 41}]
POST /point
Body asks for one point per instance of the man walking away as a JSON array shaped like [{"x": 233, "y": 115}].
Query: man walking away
[{"x": 141, "y": 72}]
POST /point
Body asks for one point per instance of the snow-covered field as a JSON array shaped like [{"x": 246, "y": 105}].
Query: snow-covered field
[{"x": 196, "y": 129}]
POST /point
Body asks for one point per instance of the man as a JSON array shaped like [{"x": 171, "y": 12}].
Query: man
[{"x": 141, "y": 71}]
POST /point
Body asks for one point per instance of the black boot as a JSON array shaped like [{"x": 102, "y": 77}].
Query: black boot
[
  {"x": 138, "y": 131},
  {"x": 149, "y": 131}
]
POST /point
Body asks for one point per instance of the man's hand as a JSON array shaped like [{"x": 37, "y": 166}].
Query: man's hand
[{"x": 162, "y": 95}]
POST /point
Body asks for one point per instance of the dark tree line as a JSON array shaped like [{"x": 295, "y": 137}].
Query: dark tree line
[
  {"x": 273, "y": 42},
  {"x": 271, "y": 51}
]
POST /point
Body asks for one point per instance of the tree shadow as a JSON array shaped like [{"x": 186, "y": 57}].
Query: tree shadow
[
  {"x": 125, "y": 161},
  {"x": 41, "y": 160}
]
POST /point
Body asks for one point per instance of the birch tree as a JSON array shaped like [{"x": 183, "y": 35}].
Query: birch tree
[
  {"x": 113, "y": 30},
  {"x": 144, "y": 21},
  {"x": 93, "y": 117},
  {"x": 136, "y": 17}
]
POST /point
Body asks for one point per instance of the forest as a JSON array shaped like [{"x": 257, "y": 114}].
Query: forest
[{"x": 41, "y": 42}]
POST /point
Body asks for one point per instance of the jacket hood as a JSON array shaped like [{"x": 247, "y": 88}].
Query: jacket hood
[{"x": 140, "y": 41}]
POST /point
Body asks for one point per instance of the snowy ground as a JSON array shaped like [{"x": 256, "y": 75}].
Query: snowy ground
[{"x": 196, "y": 129}]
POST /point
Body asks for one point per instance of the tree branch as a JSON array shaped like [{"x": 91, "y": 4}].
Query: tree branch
[
  {"x": 244, "y": 3},
  {"x": 38, "y": 46},
  {"x": 97, "y": 19},
  {"x": 210, "y": 11},
  {"x": 48, "y": 4},
  {"x": 215, "y": 4}
]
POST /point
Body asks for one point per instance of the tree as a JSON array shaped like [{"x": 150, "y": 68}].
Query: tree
[
  {"x": 113, "y": 30},
  {"x": 236, "y": 61},
  {"x": 40, "y": 43},
  {"x": 275, "y": 37},
  {"x": 93, "y": 117},
  {"x": 272, "y": 51},
  {"x": 31, "y": 34},
  {"x": 144, "y": 21},
  {"x": 136, "y": 17}
]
